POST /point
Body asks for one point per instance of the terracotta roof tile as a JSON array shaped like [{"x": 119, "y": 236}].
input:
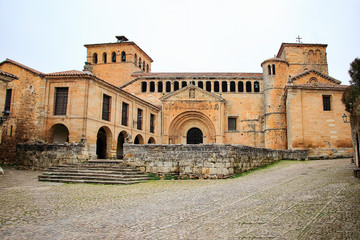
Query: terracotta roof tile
[
  {"x": 319, "y": 86},
  {"x": 24, "y": 67},
  {"x": 70, "y": 73},
  {"x": 8, "y": 74},
  {"x": 197, "y": 75}
]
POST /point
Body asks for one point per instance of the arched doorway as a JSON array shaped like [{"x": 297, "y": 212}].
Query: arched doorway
[
  {"x": 101, "y": 144},
  {"x": 151, "y": 140},
  {"x": 58, "y": 134},
  {"x": 120, "y": 145},
  {"x": 139, "y": 139},
  {"x": 194, "y": 136}
]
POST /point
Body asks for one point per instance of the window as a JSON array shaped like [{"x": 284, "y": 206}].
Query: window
[
  {"x": 232, "y": 86},
  {"x": 152, "y": 87},
  {"x": 123, "y": 56},
  {"x": 104, "y": 57},
  {"x": 113, "y": 57},
  {"x": 269, "y": 70},
  {"x": 152, "y": 121},
  {"x": 143, "y": 86},
  {"x": 176, "y": 85},
  {"x": 248, "y": 86},
  {"x": 61, "y": 99},
  {"x": 95, "y": 58},
  {"x": 168, "y": 86},
  {"x": 224, "y": 86},
  {"x": 232, "y": 124},
  {"x": 139, "y": 62},
  {"x": 106, "y": 107},
  {"x": 208, "y": 86},
  {"x": 240, "y": 86},
  {"x": 147, "y": 68},
  {"x": 256, "y": 87},
  {"x": 273, "y": 68},
  {"x": 326, "y": 103},
  {"x": 124, "y": 114},
  {"x": 143, "y": 65},
  {"x": 201, "y": 84},
  {"x": 160, "y": 86},
  {"x": 139, "y": 119},
  {"x": 8, "y": 100},
  {"x": 183, "y": 84},
  {"x": 216, "y": 86},
  {"x": 135, "y": 59}
]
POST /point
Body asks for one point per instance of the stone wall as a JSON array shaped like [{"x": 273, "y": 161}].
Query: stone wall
[
  {"x": 203, "y": 160},
  {"x": 39, "y": 156}
]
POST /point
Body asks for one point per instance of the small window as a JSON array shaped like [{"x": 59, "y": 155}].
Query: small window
[
  {"x": 8, "y": 100},
  {"x": 147, "y": 68},
  {"x": 183, "y": 84},
  {"x": 113, "y": 57},
  {"x": 273, "y": 69},
  {"x": 139, "y": 119},
  {"x": 224, "y": 86},
  {"x": 201, "y": 84},
  {"x": 176, "y": 86},
  {"x": 135, "y": 59},
  {"x": 152, "y": 121},
  {"x": 139, "y": 62},
  {"x": 104, "y": 57},
  {"x": 61, "y": 99},
  {"x": 240, "y": 86},
  {"x": 95, "y": 58},
  {"x": 152, "y": 87},
  {"x": 208, "y": 86},
  {"x": 168, "y": 86},
  {"x": 269, "y": 70},
  {"x": 143, "y": 65},
  {"x": 248, "y": 86},
  {"x": 124, "y": 115},
  {"x": 232, "y": 124},
  {"x": 106, "y": 107},
  {"x": 160, "y": 86},
  {"x": 123, "y": 56},
  {"x": 216, "y": 86},
  {"x": 143, "y": 86},
  {"x": 327, "y": 103},
  {"x": 232, "y": 86},
  {"x": 256, "y": 87}
]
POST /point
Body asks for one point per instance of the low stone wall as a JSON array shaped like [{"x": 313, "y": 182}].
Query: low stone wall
[
  {"x": 203, "y": 160},
  {"x": 39, "y": 156},
  {"x": 330, "y": 153}
]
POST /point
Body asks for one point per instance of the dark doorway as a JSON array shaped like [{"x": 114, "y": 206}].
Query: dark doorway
[
  {"x": 101, "y": 144},
  {"x": 194, "y": 136},
  {"x": 120, "y": 146}
]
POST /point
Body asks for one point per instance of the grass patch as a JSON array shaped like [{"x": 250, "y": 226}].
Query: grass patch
[
  {"x": 154, "y": 176},
  {"x": 257, "y": 169}
]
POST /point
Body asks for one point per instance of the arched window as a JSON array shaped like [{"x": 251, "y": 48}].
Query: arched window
[
  {"x": 193, "y": 83},
  {"x": 248, "y": 86},
  {"x": 113, "y": 57},
  {"x": 143, "y": 65},
  {"x": 201, "y": 84},
  {"x": 123, "y": 56},
  {"x": 143, "y": 86},
  {"x": 208, "y": 86},
  {"x": 95, "y": 58},
  {"x": 140, "y": 62},
  {"x": 224, "y": 86},
  {"x": 273, "y": 68},
  {"x": 152, "y": 87},
  {"x": 240, "y": 86},
  {"x": 183, "y": 84},
  {"x": 176, "y": 85},
  {"x": 256, "y": 86},
  {"x": 104, "y": 57},
  {"x": 311, "y": 57},
  {"x": 135, "y": 59},
  {"x": 232, "y": 86},
  {"x": 147, "y": 68},
  {"x": 168, "y": 86},
  {"x": 269, "y": 69},
  {"x": 160, "y": 86},
  {"x": 216, "y": 86}
]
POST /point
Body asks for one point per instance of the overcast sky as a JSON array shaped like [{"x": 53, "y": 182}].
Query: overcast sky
[{"x": 180, "y": 36}]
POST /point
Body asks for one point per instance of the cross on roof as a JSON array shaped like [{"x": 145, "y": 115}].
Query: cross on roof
[{"x": 298, "y": 39}]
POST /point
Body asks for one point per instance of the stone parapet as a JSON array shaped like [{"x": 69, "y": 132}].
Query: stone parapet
[{"x": 203, "y": 160}]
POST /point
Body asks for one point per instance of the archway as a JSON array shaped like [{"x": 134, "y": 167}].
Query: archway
[
  {"x": 58, "y": 134},
  {"x": 103, "y": 143},
  {"x": 194, "y": 136},
  {"x": 139, "y": 139},
  {"x": 151, "y": 140},
  {"x": 120, "y": 144}
]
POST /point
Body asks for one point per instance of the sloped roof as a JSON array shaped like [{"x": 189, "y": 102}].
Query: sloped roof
[
  {"x": 317, "y": 73},
  {"x": 197, "y": 75},
  {"x": 6, "y": 74},
  {"x": 24, "y": 67},
  {"x": 318, "y": 86},
  {"x": 70, "y": 73}
]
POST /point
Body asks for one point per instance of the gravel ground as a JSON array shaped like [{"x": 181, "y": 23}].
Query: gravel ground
[{"x": 290, "y": 200}]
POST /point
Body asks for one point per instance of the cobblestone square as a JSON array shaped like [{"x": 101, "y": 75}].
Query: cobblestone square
[{"x": 290, "y": 200}]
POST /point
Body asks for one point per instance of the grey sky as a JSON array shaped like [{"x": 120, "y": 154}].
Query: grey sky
[{"x": 180, "y": 36}]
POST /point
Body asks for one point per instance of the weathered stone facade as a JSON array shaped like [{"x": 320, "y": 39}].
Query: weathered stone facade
[{"x": 203, "y": 160}]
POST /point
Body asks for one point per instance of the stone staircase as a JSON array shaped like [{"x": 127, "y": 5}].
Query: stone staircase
[{"x": 95, "y": 171}]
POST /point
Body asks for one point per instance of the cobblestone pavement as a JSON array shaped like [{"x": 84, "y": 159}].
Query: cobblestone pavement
[{"x": 290, "y": 200}]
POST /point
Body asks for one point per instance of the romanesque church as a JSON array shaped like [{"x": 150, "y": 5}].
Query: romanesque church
[{"x": 291, "y": 103}]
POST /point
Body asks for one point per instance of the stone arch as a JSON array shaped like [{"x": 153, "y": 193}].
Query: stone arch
[
  {"x": 103, "y": 143},
  {"x": 138, "y": 139},
  {"x": 180, "y": 126},
  {"x": 123, "y": 135},
  {"x": 58, "y": 133},
  {"x": 151, "y": 140}
]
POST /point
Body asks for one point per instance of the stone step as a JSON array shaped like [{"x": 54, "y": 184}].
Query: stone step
[
  {"x": 84, "y": 169},
  {"x": 117, "y": 174},
  {"x": 81, "y": 177},
  {"x": 90, "y": 181}
]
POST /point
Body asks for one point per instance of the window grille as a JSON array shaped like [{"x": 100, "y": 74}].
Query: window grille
[{"x": 61, "y": 99}]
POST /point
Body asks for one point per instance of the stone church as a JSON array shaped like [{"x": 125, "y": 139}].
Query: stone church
[{"x": 292, "y": 103}]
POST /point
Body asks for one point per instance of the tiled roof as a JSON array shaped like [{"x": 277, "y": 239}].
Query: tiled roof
[
  {"x": 319, "y": 86},
  {"x": 8, "y": 74},
  {"x": 197, "y": 75},
  {"x": 70, "y": 73},
  {"x": 317, "y": 73},
  {"x": 24, "y": 67}
]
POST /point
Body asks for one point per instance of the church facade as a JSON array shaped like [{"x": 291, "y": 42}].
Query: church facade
[{"x": 292, "y": 103}]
